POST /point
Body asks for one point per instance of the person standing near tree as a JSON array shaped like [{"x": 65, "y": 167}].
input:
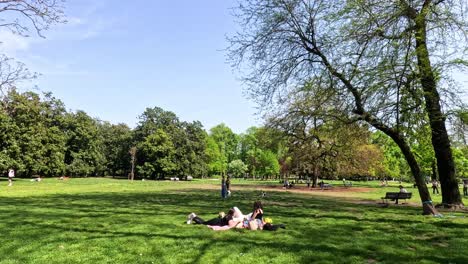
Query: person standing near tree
[
  {"x": 465, "y": 188},
  {"x": 223, "y": 188},
  {"x": 435, "y": 186},
  {"x": 228, "y": 183},
  {"x": 11, "y": 175}
]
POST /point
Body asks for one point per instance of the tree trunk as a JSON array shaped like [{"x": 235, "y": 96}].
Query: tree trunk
[
  {"x": 428, "y": 207},
  {"x": 434, "y": 170},
  {"x": 440, "y": 140},
  {"x": 314, "y": 178},
  {"x": 316, "y": 175}
]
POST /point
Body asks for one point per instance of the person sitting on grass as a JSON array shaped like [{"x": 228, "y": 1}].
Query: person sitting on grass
[
  {"x": 257, "y": 215},
  {"x": 233, "y": 220},
  {"x": 402, "y": 189}
]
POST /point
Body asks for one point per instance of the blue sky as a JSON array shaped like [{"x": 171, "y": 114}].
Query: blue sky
[{"x": 114, "y": 58}]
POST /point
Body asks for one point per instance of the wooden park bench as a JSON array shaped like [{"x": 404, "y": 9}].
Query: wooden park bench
[
  {"x": 395, "y": 196},
  {"x": 347, "y": 184}
]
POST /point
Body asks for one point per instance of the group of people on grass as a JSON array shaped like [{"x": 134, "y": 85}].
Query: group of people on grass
[{"x": 236, "y": 219}]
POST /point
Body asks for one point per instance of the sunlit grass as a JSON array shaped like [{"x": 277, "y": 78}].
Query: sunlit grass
[{"x": 116, "y": 221}]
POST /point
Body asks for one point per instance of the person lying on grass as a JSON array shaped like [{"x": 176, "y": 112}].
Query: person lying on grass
[
  {"x": 252, "y": 221},
  {"x": 236, "y": 219},
  {"x": 222, "y": 220}
]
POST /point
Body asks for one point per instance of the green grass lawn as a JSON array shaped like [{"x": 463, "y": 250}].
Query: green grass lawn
[{"x": 116, "y": 221}]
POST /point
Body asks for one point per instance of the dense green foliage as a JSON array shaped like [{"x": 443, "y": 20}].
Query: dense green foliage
[
  {"x": 113, "y": 221},
  {"x": 39, "y": 137}
]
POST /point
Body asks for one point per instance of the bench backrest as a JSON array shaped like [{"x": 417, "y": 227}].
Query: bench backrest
[
  {"x": 397, "y": 195},
  {"x": 404, "y": 196},
  {"x": 391, "y": 195}
]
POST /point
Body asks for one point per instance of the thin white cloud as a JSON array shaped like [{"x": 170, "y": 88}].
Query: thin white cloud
[
  {"x": 47, "y": 67},
  {"x": 12, "y": 43},
  {"x": 85, "y": 21}
]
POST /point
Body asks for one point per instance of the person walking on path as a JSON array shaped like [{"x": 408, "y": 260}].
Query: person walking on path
[{"x": 11, "y": 175}]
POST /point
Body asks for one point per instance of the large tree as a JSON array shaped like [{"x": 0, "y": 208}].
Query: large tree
[
  {"x": 84, "y": 154},
  {"x": 427, "y": 29},
  {"x": 319, "y": 143},
  {"x": 187, "y": 140},
  {"x": 226, "y": 140},
  {"x": 117, "y": 141},
  {"x": 33, "y": 141},
  {"x": 369, "y": 52},
  {"x": 156, "y": 156}
]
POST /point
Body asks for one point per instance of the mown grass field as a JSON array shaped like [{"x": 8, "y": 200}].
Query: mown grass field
[{"x": 116, "y": 221}]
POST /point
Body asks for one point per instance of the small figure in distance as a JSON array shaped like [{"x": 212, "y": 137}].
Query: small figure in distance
[
  {"x": 11, "y": 175},
  {"x": 465, "y": 187},
  {"x": 228, "y": 186},
  {"x": 435, "y": 186},
  {"x": 383, "y": 183},
  {"x": 402, "y": 189},
  {"x": 38, "y": 179},
  {"x": 224, "y": 193},
  {"x": 308, "y": 182},
  {"x": 286, "y": 183}
]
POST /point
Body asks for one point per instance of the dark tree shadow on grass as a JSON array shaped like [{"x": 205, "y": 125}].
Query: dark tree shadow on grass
[{"x": 318, "y": 229}]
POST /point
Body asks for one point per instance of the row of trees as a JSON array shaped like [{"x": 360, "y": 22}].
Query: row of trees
[{"x": 39, "y": 137}]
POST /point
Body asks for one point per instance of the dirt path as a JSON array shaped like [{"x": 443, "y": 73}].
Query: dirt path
[
  {"x": 347, "y": 194},
  {"x": 336, "y": 192},
  {"x": 333, "y": 192}
]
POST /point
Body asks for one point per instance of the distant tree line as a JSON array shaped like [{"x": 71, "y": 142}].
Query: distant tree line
[{"x": 38, "y": 136}]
